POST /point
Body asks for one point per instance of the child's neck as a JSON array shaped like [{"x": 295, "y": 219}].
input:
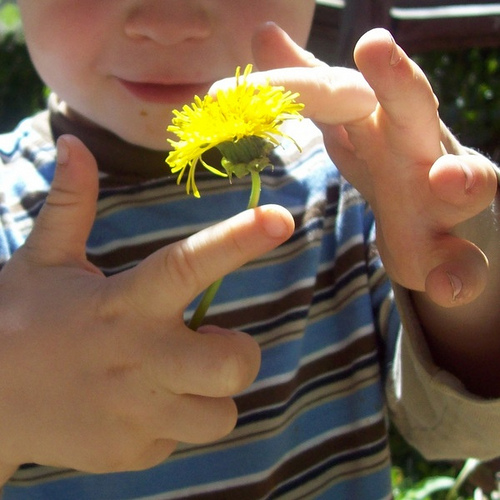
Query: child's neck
[{"x": 114, "y": 155}]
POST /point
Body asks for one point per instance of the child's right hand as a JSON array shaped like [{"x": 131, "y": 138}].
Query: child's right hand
[{"x": 101, "y": 374}]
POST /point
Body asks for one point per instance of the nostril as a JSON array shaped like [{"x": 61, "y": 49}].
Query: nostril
[{"x": 167, "y": 23}]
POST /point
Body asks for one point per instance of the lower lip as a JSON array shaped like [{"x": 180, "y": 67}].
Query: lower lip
[{"x": 165, "y": 94}]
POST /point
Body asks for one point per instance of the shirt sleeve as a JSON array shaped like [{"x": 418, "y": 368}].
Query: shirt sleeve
[{"x": 431, "y": 408}]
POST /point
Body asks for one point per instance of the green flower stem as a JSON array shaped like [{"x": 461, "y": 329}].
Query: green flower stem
[
  {"x": 255, "y": 192},
  {"x": 204, "y": 304},
  {"x": 211, "y": 291}
]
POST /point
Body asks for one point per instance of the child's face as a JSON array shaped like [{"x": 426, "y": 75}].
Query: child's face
[{"x": 125, "y": 64}]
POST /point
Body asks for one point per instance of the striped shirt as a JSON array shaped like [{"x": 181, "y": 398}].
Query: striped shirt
[{"x": 314, "y": 423}]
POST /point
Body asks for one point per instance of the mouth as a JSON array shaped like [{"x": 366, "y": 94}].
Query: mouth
[{"x": 165, "y": 93}]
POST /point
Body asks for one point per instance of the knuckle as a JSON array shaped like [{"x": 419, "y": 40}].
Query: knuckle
[
  {"x": 237, "y": 245},
  {"x": 61, "y": 196},
  {"x": 180, "y": 265},
  {"x": 234, "y": 373}
]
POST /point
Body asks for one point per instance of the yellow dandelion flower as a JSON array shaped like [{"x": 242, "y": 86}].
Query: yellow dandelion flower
[{"x": 243, "y": 122}]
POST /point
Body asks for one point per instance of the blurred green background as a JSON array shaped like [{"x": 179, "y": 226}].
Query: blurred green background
[
  {"x": 467, "y": 84},
  {"x": 21, "y": 91}
]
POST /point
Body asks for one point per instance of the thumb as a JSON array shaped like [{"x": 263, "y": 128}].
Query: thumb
[{"x": 63, "y": 225}]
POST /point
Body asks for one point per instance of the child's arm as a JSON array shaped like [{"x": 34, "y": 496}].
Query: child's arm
[
  {"x": 432, "y": 199},
  {"x": 101, "y": 374}
]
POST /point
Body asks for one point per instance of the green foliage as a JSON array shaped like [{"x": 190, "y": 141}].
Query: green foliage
[
  {"x": 414, "y": 478},
  {"x": 467, "y": 84},
  {"x": 21, "y": 90},
  {"x": 9, "y": 18},
  {"x": 423, "y": 490}
]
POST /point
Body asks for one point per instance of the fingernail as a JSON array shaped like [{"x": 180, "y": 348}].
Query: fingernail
[
  {"x": 271, "y": 24},
  {"x": 276, "y": 226},
  {"x": 469, "y": 176},
  {"x": 456, "y": 285},
  {"x": 62, "y": 152},
  {"x": 395, "y": 53},
  {"x": 212, "y": 329}
]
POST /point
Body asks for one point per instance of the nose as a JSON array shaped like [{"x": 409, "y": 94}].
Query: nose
[{"x": 168, "y": 22}]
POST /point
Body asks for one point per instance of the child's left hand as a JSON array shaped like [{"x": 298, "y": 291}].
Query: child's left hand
[
  {"x": 394, "y": 152},
  {"x": 433, "y": 200}
]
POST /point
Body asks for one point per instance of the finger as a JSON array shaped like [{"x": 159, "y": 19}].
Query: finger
[
  {"x": 466, "y": 183},
  {"x": 173, "y": 276},
  {"x": 461, "y": 277},
  {"x": 154, "y": 454},
  {"x": 331, "y": 95},
  {"x": 218, "y": 363},
  {"x": 63, "y": 225},
  {"x": 408, "y": 105},
  {"x": 187, "y": 418},
  {"x": 273, "y": 48},
  {"x": 195, "y": 419},
  {"x": 131, "y": 456}
]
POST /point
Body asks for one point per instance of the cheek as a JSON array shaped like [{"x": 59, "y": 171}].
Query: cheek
[
  {"x": 65, "y": 67},
  {"x": 62, "y": 36},
  {"x": 58, "y": 67}
]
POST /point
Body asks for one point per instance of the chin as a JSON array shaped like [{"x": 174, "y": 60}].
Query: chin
[
  {"x": 150, "y": 143},
  {"x": 151, "y": 139}
]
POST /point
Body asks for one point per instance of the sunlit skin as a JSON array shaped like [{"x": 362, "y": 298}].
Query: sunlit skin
[
  {"x": 102, "y": 374},
  {"x": 140, "y": 59},
  {"x": 428, "y": 204}
]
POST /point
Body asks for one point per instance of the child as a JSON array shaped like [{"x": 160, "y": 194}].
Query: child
[{"x": 106, "y": 394}]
